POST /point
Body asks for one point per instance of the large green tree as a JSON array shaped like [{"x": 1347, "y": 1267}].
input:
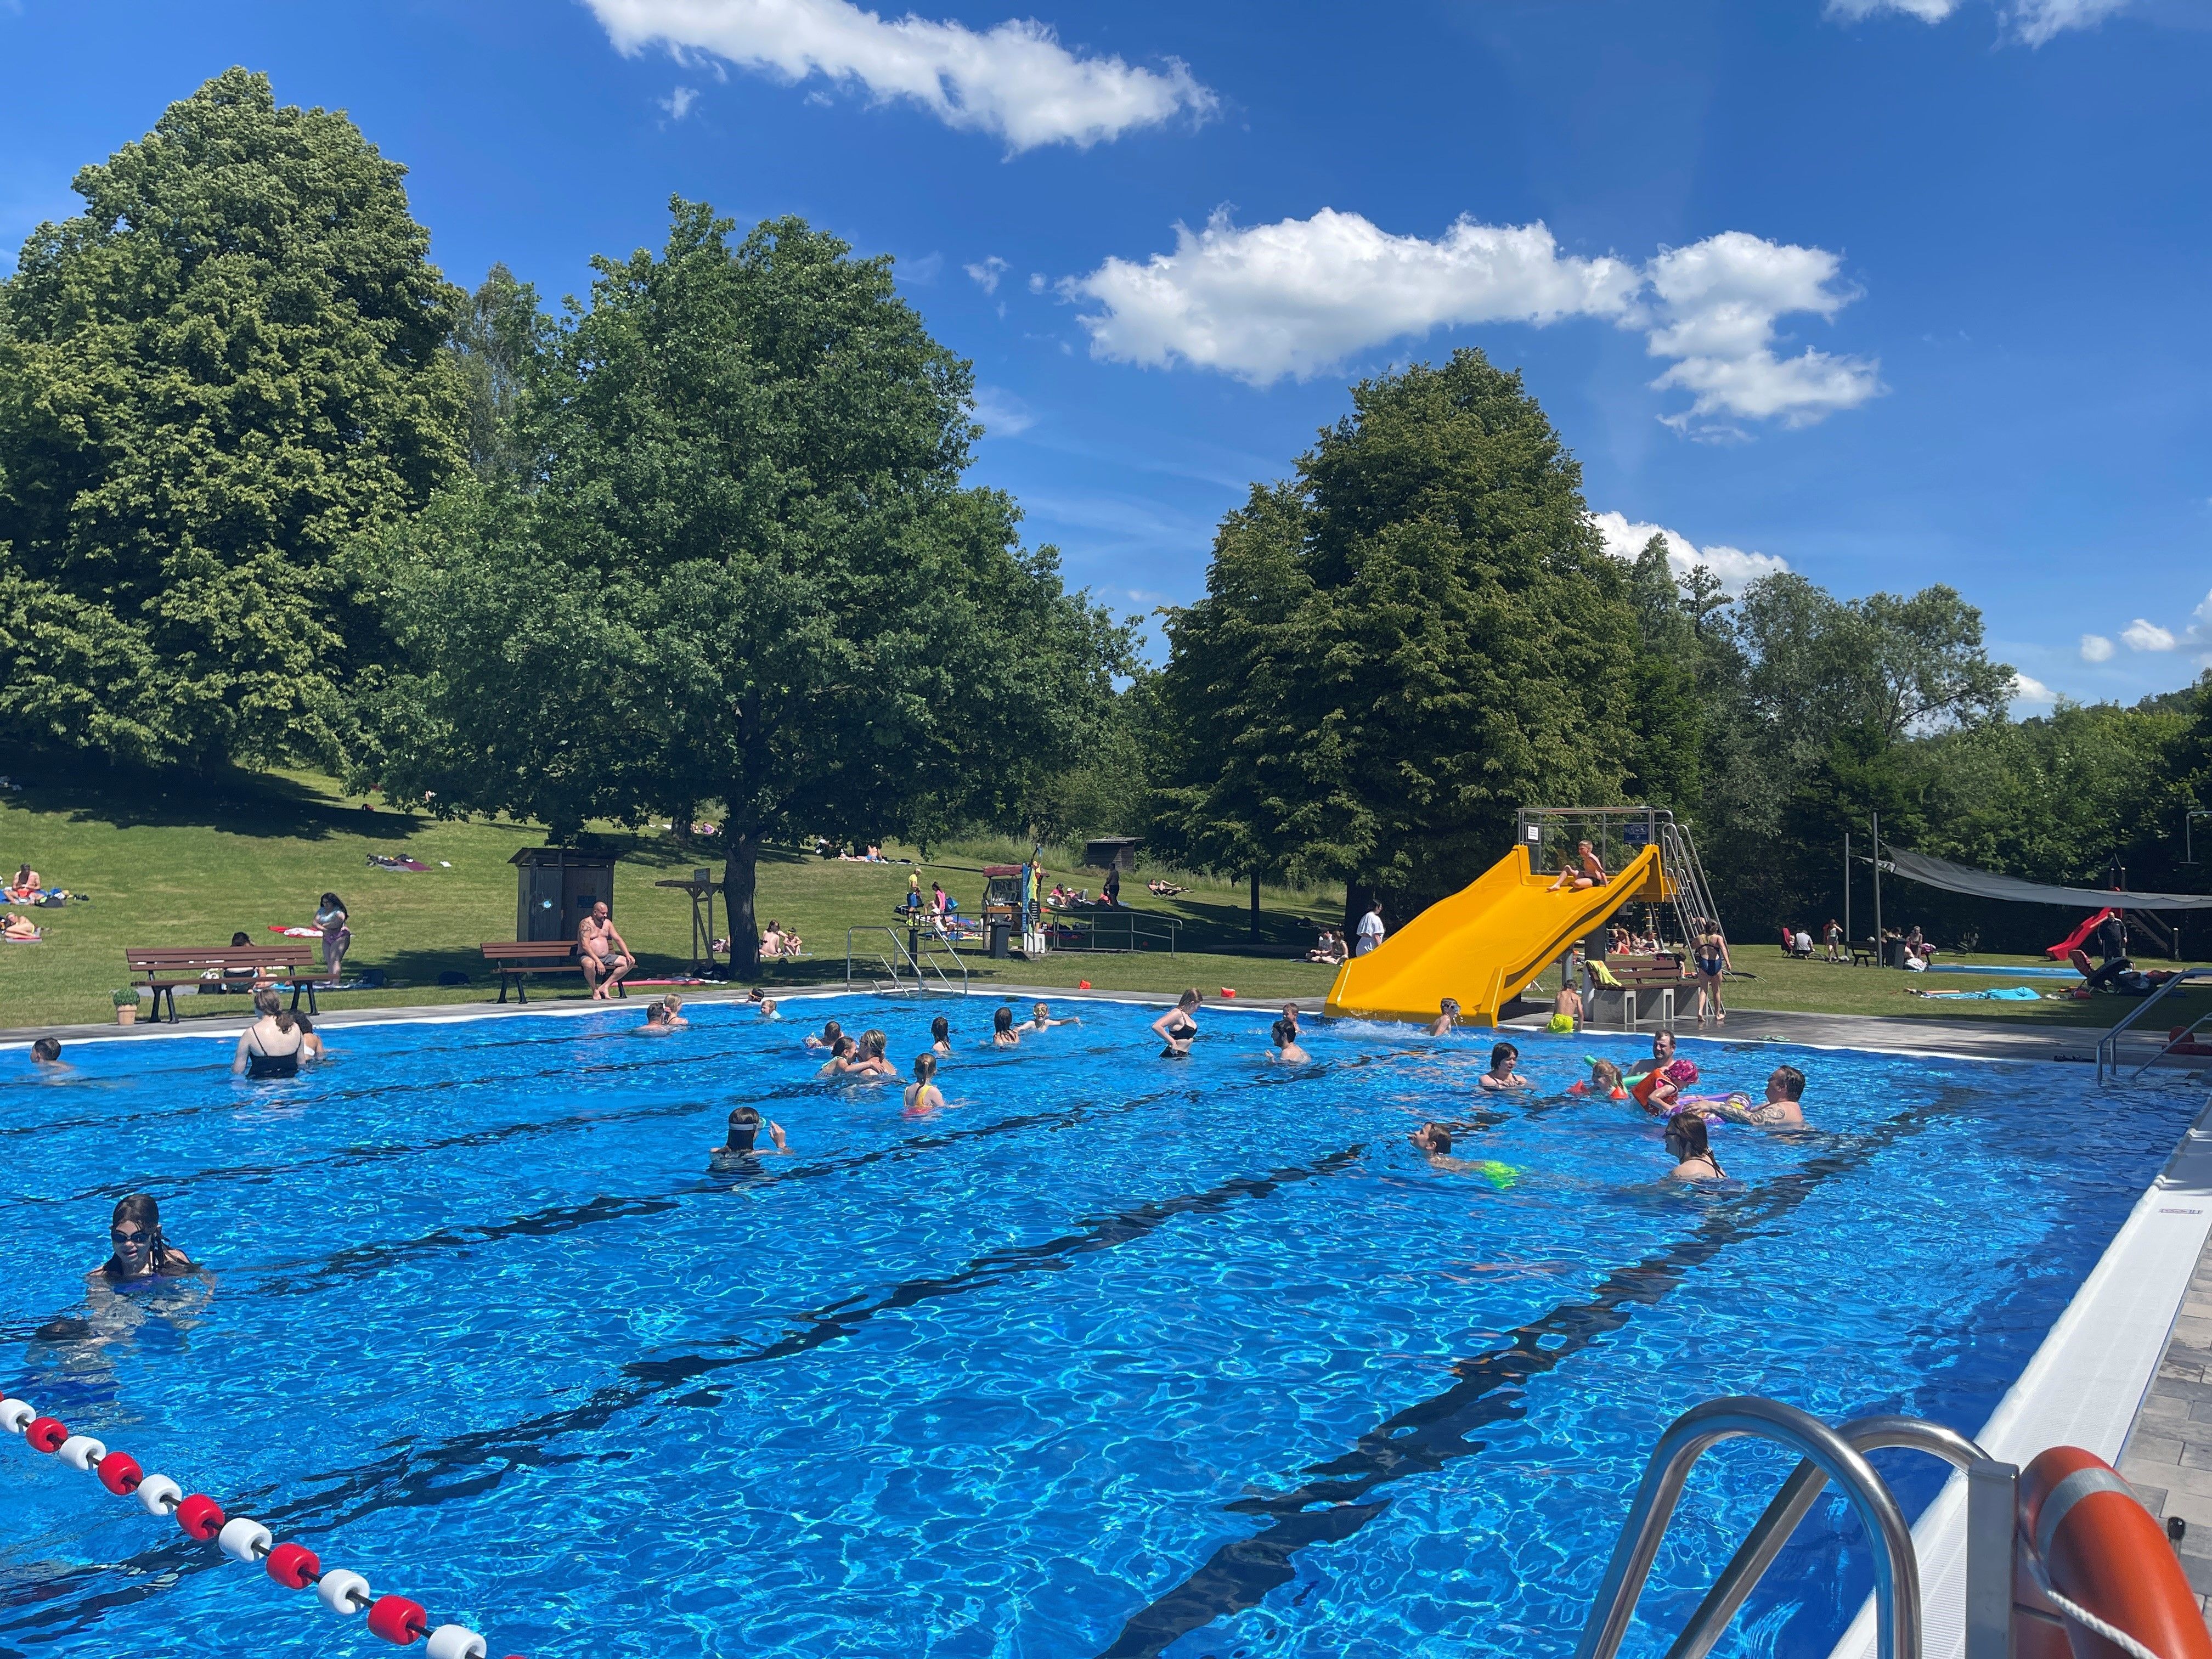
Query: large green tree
[
  {"x": 1419, "y": 634},
  {"x": 746, "y": 570},
  {"x": 213, "y": 378}
]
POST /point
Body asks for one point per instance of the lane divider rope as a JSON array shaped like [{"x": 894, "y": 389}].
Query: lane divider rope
[{"x": 396, "y": 1619}]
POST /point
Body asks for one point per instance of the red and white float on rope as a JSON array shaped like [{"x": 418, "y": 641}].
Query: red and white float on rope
[{"x": 394, "y": 1618}]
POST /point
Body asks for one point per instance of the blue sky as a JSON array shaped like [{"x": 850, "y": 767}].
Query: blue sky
[{"x": 1890, "y": 291}]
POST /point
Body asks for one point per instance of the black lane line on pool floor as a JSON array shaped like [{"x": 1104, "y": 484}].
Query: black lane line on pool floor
[
  {"x": 367, "y": 1260},
  {"x": 1427, "y": 1435},
  {"x": 410, "y": 1479}
]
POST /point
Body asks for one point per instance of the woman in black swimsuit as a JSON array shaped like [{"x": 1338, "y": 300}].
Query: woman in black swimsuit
[
  {"x": 140, "y": 1255},
  {"x": 1176, "y": 1027},
  {"x": 1712, "y": 962},
  {"x": 270, "y": 1048}
]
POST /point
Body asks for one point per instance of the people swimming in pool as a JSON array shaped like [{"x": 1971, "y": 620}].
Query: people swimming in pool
[
  {"x": 1003, "y": 1034},
  {"x": 1041, "y": 1019},
  {"x": 923, "y": 1096},
  {"x": 46, "y": 1056},
  {"x": 1658, "y": 1090},
  {"x": 831, "y": 1030},
  {"x": 1782, "y": 1108},
  {"x": 1446, "y": 1017},
  {"x": 1436, "y": 1141},
  {"x": 138, "y": 1255},
  {"x": 1603, "y": 1082},
  {"x": 1693, "y": 1154},
  {"x": 1663, "y": 1051},
  {"x": 742, "y": 1133},
  {"x": 1287, "y": 1052},
  {"x": 311, "y": 1045},
  {"x": 1503, "y": 1077},
  {"x": 270, "y": 1048},
  {"x": 940, "y": 1036},
  {"x": 1178, "y": 1026},
  {"x": 766, "y": 1006},
  {"x": 860, "y": 1061}
]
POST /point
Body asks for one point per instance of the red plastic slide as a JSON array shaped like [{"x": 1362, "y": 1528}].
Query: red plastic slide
[{"x": 2074, "y": 941}]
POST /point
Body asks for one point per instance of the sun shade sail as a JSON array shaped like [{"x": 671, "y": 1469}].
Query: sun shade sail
[{"x": 1964, "y": 878}]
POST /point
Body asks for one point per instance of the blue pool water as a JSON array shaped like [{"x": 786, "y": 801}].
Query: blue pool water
[{"x": 1118, "y": 1356}]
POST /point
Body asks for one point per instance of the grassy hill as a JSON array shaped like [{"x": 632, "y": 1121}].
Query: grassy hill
[{"x": 169, "y": 861}]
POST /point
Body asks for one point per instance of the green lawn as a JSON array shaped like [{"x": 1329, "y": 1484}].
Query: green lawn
[{"x": 172, "y": 864}]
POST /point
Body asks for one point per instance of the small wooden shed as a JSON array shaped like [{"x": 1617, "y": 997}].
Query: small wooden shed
[{"x": 555, "y": 887}]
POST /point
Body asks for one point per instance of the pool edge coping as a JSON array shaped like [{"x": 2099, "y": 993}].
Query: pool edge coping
[{"x": 2085, "y": 1384}]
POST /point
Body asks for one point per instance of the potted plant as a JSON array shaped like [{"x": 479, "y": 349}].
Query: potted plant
[{"x": 126, "y": 1008}]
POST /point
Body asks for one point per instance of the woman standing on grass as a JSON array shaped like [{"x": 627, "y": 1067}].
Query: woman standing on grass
[{"x": 330, "y": 917}]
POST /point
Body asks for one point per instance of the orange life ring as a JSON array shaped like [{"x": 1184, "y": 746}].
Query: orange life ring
[{"x": 2106, "y": 1552}]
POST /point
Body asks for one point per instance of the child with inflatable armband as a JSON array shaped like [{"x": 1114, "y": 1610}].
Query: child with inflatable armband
[{"x": 1604, "y": 1080}]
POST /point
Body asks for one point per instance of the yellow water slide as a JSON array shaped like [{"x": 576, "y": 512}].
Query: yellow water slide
[{"x": 1486, "y": 943}]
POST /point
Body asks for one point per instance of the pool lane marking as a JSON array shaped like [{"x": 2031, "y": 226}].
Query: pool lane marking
[
  {"x": 1423, "y": 1437},
  {"x": 366, "y": 1490}
]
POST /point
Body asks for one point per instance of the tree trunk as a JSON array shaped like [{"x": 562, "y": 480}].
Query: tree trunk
[
  {"x": 1255, "y": 907},
  {"x": 740, "y": 868},
  {"x": 1357, "y": 895}
]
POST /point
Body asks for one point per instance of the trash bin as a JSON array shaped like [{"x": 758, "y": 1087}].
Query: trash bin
[
  {"x": 999, "y": 931},
  {"x": 1893, "y": 953}
]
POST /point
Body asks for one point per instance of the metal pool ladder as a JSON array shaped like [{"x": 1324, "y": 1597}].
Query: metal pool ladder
[
  {"x": 914, "y": 965},
  {"x": 1827, "y": 1454}
]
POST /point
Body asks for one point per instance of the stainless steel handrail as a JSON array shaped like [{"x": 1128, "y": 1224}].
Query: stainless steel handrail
[
  {"x": 2108, "y": 1046},
  {"x": 1687, "y": 1438},
  {"x": 914, "y": 964},
  {"x": 1799, "y": 1493}
]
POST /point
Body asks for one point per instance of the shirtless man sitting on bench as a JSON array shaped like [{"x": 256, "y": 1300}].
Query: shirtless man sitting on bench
[{"x": 604, "y": 954}]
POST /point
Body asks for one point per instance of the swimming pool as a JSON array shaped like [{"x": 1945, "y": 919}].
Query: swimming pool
[{"x": 1117, "y": 1357}]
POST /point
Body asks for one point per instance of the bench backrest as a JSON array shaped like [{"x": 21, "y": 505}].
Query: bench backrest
[
  {"x": 172, "y": 959},
  {"x": 530, "y": 950}
]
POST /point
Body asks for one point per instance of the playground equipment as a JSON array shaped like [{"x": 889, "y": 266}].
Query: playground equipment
[{"x": 1487, "y": 943}]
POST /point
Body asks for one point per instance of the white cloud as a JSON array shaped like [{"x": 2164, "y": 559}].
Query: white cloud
[
  {"x": 2095, "y": 648},
  {"x": 2140, "y": 636},
  {"x": 1015, "y": 81},
  {"x": 679, "y": 103},
  {"x": 1716, "y": 303},
  {"x": 987, "y": 275},
  {"x": 1297, "y": 297},
  {"x": 1037, "y": 283},
  {"x": 1927, "y": 11},
  {"x": 2026, "y": 688},
  {"x": 2032, "y": 22},
  {"x": 2036, "y": 21},
  {"x": 1003, "y": 413},
  {"x": 1734, "y": 567}
]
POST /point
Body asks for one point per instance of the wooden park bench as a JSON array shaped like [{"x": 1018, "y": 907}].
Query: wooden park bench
[
  {"x": 517, "y": 958},
  {"x": 242, "y": 967},
  {"x": 1663, "y": 976}
]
